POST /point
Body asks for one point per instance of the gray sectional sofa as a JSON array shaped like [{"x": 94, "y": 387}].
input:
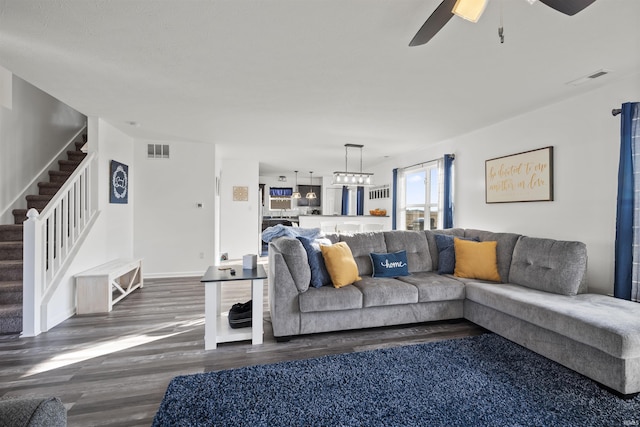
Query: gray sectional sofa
[{"x": 541, "y": 302}]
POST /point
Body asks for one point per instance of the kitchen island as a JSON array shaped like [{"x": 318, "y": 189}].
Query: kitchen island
[{"x": 346, "y": 223}]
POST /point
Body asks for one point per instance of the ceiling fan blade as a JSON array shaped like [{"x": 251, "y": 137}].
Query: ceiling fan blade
[
  {"x": 436, "y": 21},
  {"x": 568, "y": 7}
]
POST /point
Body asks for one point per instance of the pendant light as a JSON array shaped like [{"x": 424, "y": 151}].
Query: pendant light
[
  {"x": 311, "y": 194},
  {"x": 296, "y": 194},
  {"x": 346, "y": 177}
]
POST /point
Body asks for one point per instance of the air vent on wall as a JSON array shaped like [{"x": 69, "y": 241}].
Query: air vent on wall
[
  {"x": 157, "y": 151},
  {"x": 589, "y": 77}
]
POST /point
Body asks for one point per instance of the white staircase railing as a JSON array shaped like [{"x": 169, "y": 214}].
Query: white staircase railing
[{"x": 51, "y": 240}]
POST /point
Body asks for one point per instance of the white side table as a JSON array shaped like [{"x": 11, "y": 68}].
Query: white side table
[{"x": 216, "y": 325}]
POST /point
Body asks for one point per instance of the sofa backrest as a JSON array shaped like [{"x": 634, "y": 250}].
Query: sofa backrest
[
  {"x": 504, "y": 248},
  {"x": 415, "y": 244},
  {"x": 549, "y": 265},
  {"x": 296, "y": 259},
  {"x": 361, "y": 245}
]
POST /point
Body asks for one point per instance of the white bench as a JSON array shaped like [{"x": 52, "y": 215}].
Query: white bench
[{"x": 99, "y": 288}]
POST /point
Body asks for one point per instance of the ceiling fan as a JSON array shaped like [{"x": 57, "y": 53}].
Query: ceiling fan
[{"x": 472, "y": 9}]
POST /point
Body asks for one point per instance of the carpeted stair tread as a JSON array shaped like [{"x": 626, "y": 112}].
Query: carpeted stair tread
[
  {"x": 20, "y": 215},
  {"x": 8, "y": 310},
  {"x": 76, "y": 155},
  {"x": 11, "y": 318},
  {"x": 10, "y": 293},
  {"x": 11, "y": 232},
  {"x": 11, "y": 250},
  {"x": 68, "y": 165},
  {"x": 10, "y": 270},
  {"x": 49, "y": 188},
  {"x": 38, "y": 201},
  {"x": 59, "y": 176}
]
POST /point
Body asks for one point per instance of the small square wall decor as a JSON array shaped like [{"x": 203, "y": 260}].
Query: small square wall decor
[
  {"x": 240, "y": 194},
  {"x": 119, "y": 183},
  {"x": 522, "y": 177}
]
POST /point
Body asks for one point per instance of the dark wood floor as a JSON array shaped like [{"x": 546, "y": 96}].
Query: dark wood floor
[{"x": 113, "y": 369}]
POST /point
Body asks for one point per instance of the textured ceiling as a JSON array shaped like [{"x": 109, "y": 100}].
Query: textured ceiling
[{"x": 290, "y": 82}]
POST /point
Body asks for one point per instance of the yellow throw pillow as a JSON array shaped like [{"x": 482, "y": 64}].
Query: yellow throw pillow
[
  {"x": 340, "y": 264},
  {"x": 476, "y": 260}
]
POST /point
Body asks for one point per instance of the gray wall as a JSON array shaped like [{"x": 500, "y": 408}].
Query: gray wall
[{"x": 32, "y": 132}]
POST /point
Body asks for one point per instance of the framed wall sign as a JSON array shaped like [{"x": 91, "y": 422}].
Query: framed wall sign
[
  {"x": 521, "y": 177},
  {"x": 119, "y": 183}
]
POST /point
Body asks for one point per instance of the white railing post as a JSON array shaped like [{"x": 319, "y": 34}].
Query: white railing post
[{"x": 32, "y": 274}]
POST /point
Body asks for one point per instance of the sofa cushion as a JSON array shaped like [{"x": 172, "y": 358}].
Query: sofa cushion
[
  {"x": 549, "y": 265},
  {"x": 340, "y": 264},
  {"x": 378, "y": 291},
  {"x": 586, "y": 318},
  {"x": 504, "y": 250},
  {"x": 319, "y": 274},
  {"x": 361, "y": 245},
  {"x": 434, "y": 287},
  {"x": 416, "y": 246},
  {"x": 328, "y": 298},
  {"x": 296, "y": 259},
  {"x": 476, "y": 260},
  {"x": 389, "y": 265}
]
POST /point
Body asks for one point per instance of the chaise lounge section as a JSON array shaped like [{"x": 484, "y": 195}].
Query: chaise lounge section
[{"x": 541, "y": 301}]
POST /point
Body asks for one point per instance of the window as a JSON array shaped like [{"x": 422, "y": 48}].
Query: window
[
  {"x": 280, "y": 198},
  {"x": 419, "y": 203},
  {"x": 379, "y": 192}
]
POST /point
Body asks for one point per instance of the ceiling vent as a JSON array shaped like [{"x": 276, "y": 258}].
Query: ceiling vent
[{"x": 589, "y": 77}]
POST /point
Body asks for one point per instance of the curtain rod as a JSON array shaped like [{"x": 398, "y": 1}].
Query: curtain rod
[
  {"x": 425, "y": 162},
  {"x": 616, "y": 111}
]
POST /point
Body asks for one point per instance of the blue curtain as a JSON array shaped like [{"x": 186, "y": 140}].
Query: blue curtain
[
  {"x": 625, "y": 279},
  {"x": 394, "y": 198},
  {"x": 345, "y": 200},
  {"x": 447, "y": 217},
  {"x": 360, "y": 201}
]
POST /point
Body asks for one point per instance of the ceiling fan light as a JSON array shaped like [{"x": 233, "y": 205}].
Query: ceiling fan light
[{"x": 471, "y": 10}]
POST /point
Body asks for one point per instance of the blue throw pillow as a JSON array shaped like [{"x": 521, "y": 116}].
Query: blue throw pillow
[
  {"x": 390, "y": 265},
  {"x": 447, "y": 253},
  {"x": 319, "y": 274}
]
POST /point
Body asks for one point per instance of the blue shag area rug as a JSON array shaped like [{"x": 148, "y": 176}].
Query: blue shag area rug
[{"x": 478, "y": 381}]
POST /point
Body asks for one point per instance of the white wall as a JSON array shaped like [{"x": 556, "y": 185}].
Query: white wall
[
  {"x": 173, "y": 235},
  {"x": 112, "y": 234},
  {"x": 32, "y": 132},
  {"x": 585, "y": 138},
  {"x": 240, "y": 220}
]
